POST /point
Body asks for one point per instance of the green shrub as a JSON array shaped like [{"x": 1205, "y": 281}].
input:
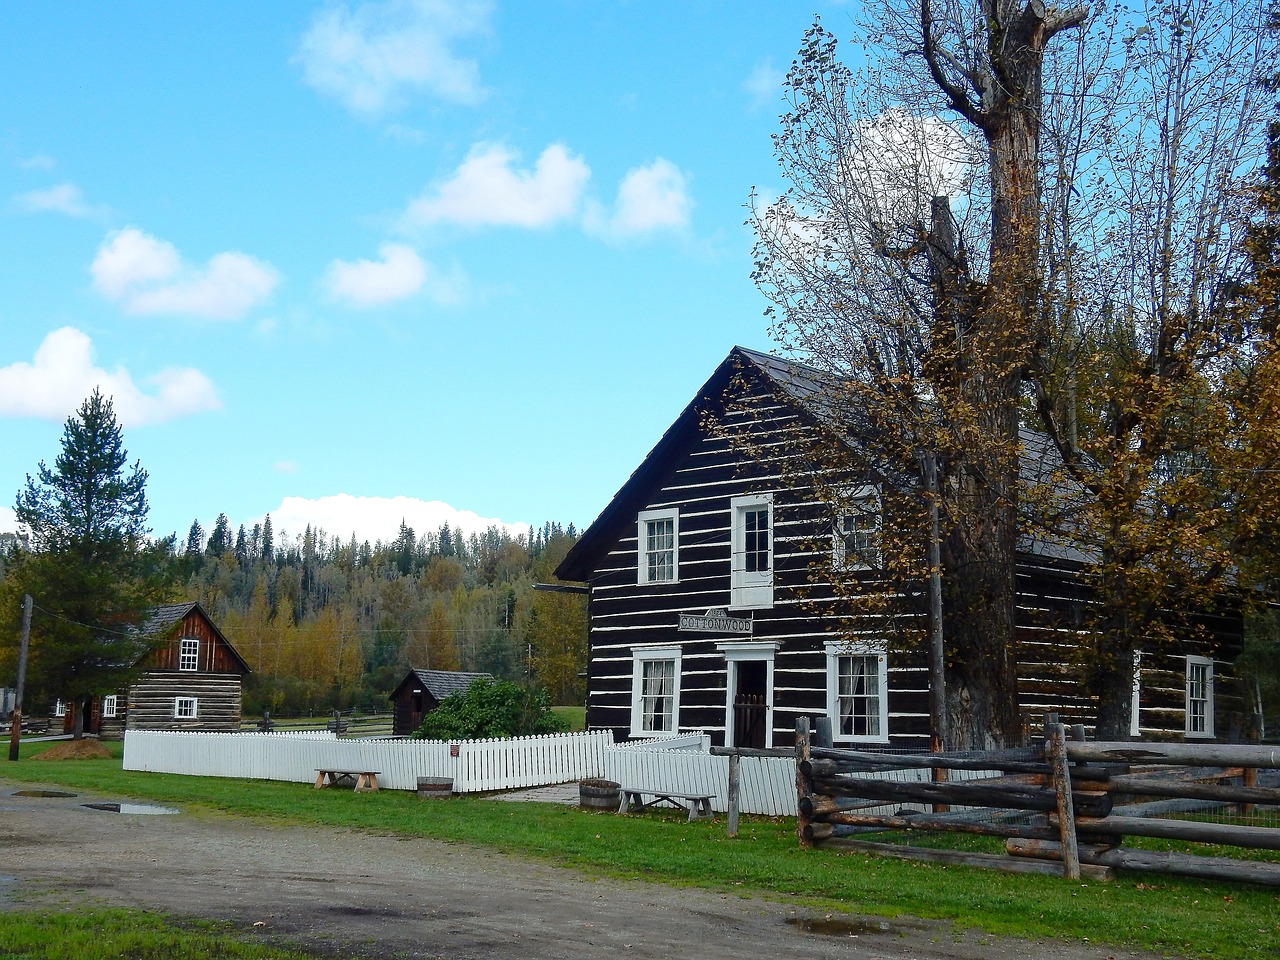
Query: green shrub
[{"x": 491, "y": 708}]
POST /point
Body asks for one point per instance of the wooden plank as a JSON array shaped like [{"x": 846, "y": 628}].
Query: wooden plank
[
  {"x": 941, "y": 823},
  {"x": 1202, "y": 754},
  {"x": 1228, "y": 793},
  {"x": 960, "y": 858},
  {"x": 1260, "y": 838},
  {"x": 965, "y": 793},
  {"x": 1185, "y": 864},
  {"x": 1015, "y": 761},
  {"x": 1055, "y": 743}
]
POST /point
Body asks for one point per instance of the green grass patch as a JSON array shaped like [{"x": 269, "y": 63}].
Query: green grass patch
[
  {"x": 575, "y": 717},
  {"x": 107, "y": 934},
  {"x": 1167, "y": 915}
]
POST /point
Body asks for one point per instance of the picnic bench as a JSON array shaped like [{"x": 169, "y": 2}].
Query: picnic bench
[
  {"x": 366, "y": 781},
  {"x": 698, "y": 804}
]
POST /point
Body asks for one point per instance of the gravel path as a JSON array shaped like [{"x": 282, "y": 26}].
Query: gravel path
[{"x": 351, "y": 893}]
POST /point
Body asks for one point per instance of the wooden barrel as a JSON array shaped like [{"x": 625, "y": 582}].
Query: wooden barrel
[
  {"x": 599, "y": 794},
  {"x": 435, "y": 787}
]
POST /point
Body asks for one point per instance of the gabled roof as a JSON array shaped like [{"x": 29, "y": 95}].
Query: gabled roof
[
  {"x": 808, "y": 388},
  {"x": 580, "y": 560},
  {"x": 441, "y": 683},
  {"x": 165, "y": 617}
]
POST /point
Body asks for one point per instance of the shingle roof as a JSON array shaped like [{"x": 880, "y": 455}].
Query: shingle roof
[
  {"x": 441, "y": 683},
  {"x": 165, "y": 616}
]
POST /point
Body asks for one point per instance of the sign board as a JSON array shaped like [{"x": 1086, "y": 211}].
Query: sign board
[{"x": 716, "y": 620}]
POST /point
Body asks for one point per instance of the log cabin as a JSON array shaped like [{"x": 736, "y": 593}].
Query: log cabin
[
  {"x": 700, "y": 581},
  {"x": 421, "y": 691},
  {"x": 191, "y": 678}
]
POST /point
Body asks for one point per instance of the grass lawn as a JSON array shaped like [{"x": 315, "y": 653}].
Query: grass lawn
[
  {"x": 1182, "y": 917},
  {"x": 576, "y": 717}
]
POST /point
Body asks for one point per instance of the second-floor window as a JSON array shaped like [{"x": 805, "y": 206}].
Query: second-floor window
[
  {"x": 189, "y": 654},
  {"x": 857, "y": 534},
  {"x": 657, "y": 532},
  {"x": 752, "y": 539}
]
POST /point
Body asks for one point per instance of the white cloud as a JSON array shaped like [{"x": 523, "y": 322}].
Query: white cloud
[
  {"x": 146, "y": 275},
  {"x": 8, "y": 520},
  {"x": 62, "y": 374},
  {"x": 287, "y": 467},
  {"x": 377, "y": 518},
  {"x": 372, "y": 283},
  {"x": 64, "y": 198},
  {"x": 38, "y": 162},
  {"x": 372, "y": 57},
  {"x": 650, "y": 199},
  {"x": 398, "y": 275},
  {"x": 764, "y": 85},
  {"x": 488, "y": 190}
]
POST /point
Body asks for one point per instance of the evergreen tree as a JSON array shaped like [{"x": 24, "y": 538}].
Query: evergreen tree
[
  {"x": 92, "y": 571},
  {"x": 220, "y": 540},
  {"x": 268, "y": 541}
]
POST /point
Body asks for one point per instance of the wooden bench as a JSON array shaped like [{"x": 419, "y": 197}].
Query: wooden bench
[
  {"x": 366, "y": 780},
  {"x": 698, "y": 804}
]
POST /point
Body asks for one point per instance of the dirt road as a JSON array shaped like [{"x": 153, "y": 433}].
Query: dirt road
[{"x": 349, "y": 893}]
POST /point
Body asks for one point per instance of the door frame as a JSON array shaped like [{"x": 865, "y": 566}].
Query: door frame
[{"x": 734, "y": 653}]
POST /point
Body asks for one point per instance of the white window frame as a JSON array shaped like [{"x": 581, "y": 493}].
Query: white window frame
[
  {"x": 109, "y": 707},
  {"x": 643, "y": 520},
  {"x": 59, "y": 708},
  {"x": 189, "y": 653},
  {"x": 1199, "y": 693},
  {"x": 640, "y": 657},
  {"x": 865, "y": 501},
  {"x": 1135, "y": 701},
  {"x": 735, "y": 653},
  {"x": 836, "y": 650},
  {"x": 750, "y": 589},
  {"x": 179, "y": 713}
]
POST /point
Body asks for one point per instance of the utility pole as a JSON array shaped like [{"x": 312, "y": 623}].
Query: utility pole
[{"x": 15, "y": 733}]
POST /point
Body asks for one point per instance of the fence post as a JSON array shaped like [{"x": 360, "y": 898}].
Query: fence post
[
  {"x": 804, "y": 784},
  {"x": 735, "y": 774},
  {"x": 1055, "y": 747}
]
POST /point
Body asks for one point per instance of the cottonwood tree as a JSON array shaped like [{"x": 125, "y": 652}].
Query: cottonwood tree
[
  {"x": 91, "y": 569},
  {"x": 1157, "y": 388},
  {"x": 928, "y": 316}
]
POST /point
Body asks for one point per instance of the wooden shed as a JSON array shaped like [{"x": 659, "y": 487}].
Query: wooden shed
[{"x": 421, "y": 691}]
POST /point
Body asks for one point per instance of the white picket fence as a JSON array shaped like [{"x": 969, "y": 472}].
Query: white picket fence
[
  {"x": 766, "y": 785},
  {"x": 680, "y": 764},
  {"x": 479, "y": 765}
]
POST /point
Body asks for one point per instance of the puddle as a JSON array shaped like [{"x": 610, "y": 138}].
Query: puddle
[
  {"x": 42, "y": 793},
  {"x": 136, "y": 808},
  {"x": 830, "y": 927}
]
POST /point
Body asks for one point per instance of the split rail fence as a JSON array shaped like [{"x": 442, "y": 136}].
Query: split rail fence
[{"x": 1066, "y": 807}]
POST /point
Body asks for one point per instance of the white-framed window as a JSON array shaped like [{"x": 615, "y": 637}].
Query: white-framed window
[
  {"x": 189, "y": 654},
  {"x": 59, "y": 708},
  {"x": 655, "y": 691},
  {"x": 857, "y": 692},
  {"x": 658, "y": 536},
  {"x": 1135, "y": 697},
  {"x": 109, "y": 706},
  {"x": 1199, "y": 721},
  {"x": 751, "y": 541},
  {"x": 857, "y": 529},
  {"x": 185, "y": 708}
]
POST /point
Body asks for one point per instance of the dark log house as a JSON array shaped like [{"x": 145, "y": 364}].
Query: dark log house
[{"x": 700, "y": 580}]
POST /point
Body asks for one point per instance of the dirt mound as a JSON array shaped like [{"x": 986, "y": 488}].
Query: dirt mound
[{"x": 75, "y": 750}]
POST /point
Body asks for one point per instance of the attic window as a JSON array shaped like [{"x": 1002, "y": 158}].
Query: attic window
[{"x": 189, "y": 654}]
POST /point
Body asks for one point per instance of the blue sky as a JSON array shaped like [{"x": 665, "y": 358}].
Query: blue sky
[{"x": 341, "y": 262}]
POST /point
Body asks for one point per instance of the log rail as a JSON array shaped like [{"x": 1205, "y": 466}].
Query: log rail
[{"x": 1060, "y": 807}]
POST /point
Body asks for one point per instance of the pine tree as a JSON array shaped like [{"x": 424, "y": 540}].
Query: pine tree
[{"x": 92, "y": 571}]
